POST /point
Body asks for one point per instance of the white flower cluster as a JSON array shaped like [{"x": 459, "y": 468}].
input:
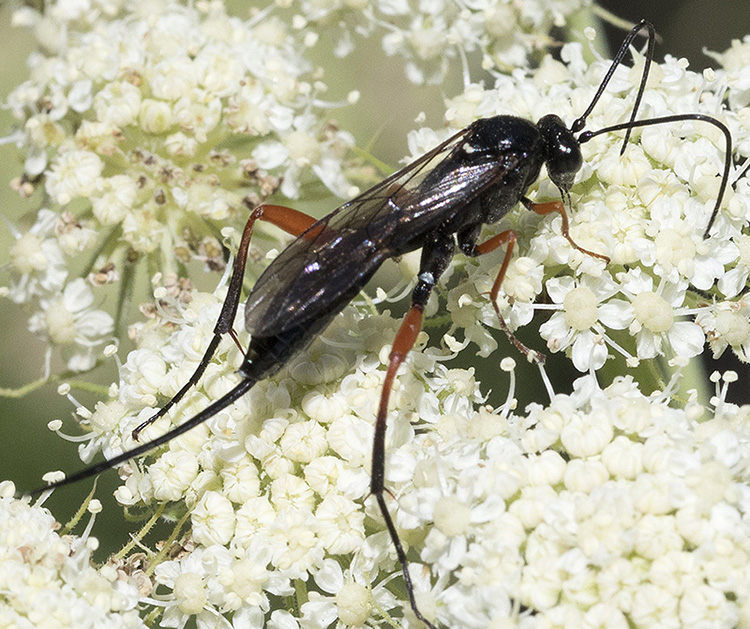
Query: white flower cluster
[
  {"x": 431, "y": 33},
  {"x": 47, "y": 580},
  {"x": 604, "y": 509},
  {"x": 65, "y": 318},
  {"x": 276, "y": 483},
  {"x": 127, "y": 122},
  {"x": 647, "y": 211},
  {"x": 607, "y": 508}
]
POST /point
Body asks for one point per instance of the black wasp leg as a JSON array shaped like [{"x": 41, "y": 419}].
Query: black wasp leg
[
  {"x": 557, "y": 206},
  {"x": 288, "y": 219},
  {"x": 436, "y": 255}
]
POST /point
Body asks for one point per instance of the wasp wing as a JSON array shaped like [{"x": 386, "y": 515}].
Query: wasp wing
[{"x": 324, "y": 268}]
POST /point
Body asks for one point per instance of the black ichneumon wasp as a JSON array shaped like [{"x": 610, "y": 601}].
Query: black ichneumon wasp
[{"x": 439, "y": 201}]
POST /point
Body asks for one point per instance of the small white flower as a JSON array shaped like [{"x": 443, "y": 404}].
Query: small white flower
[
  {"x": 187, "y": 578},
  {"x": 36, "y": 257},
  {"x": 651, "y": 316},
  {"x": 118, "y": 103},
  {"x": 727, "y": 325},
  {"x": 340, "y": 524},
  {"x": 577, "y": 324},
  {"x": 241, "y": 480},
  {"x": 291, "y": 492},
  {"x": 172, "y": 474},
  {"x": 74, "y": 174},
  {"x": 155, "y": 117},
  {"x": 303, "y": 147},
  {"x": 173, "y": 78},
  {"x": 143, "y": 230},
  {"x": 213, "y": 519},
  {"x": 143, "y": 375},
  {"x": 243, "y": 582},
  {"x": 734, "y": 280},
  {"x": 217, "y": 69},
  {"x": 115, "y": 199},
  {"x": 69, "y": 321},
  {"x": 304, "y": 442},
  {"x": 296, "y": 547},
  {"x": 347, "y": 601}
]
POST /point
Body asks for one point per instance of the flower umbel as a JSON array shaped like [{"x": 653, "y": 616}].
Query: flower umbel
[
  {"x": 580, "y": 511},
  {"x": 127, "y": 123},
  {"x": 47, "y": 579},
  {"x": 431, "y": 36},
  {"x": 151, "y": 130}
]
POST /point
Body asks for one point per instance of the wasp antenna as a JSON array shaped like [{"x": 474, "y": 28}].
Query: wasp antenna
[
  {"x": 580, "y": 123},
  {"x": 587, "y": 135},
  {"x": 743, "y": 170}
]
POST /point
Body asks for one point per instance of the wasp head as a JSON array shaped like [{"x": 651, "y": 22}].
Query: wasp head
[{"x": 562, "y": 153}]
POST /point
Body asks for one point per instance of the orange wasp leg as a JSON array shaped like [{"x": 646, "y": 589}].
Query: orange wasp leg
[
  {"x": 436, "y": 255},
  {"x": 557, "y": 206},
  {"x": 402, "y": 344},
  {"x": 507, "y": 237}
]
